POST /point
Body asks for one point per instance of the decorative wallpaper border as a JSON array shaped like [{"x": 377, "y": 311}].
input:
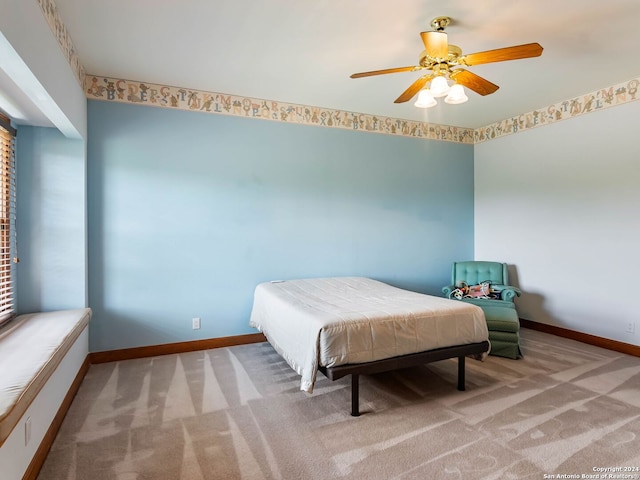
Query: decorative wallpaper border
[
  {"x": 59, "y": 30},
  {"x": 591, "y": 102},
  {"x": 128, "y": 91}
]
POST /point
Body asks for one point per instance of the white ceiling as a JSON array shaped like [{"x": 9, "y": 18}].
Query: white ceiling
[{"x": 303, "y": 52}]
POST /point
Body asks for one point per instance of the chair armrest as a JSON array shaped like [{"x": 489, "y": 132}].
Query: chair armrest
[
  {"x": 447, "y": 290},
  {"x": 507, "y": 292}
]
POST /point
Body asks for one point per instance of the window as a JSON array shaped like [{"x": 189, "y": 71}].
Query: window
[{"x": 7, "y": 219}]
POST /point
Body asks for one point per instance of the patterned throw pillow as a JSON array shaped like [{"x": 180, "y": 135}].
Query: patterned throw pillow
[
  {"x": 482, "y": 290},
  {"x": 479, "y": 291}
]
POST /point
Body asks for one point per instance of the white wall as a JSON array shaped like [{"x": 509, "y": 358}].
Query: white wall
[{"x": 560, "y": 204}]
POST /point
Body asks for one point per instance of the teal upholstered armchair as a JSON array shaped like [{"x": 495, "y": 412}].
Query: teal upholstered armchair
[
  {"x": 486, "y": 284},
  {"x": 478, "y": 272}
]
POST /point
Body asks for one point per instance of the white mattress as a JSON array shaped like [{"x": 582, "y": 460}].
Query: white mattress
[{"x": 336, "y": 321}]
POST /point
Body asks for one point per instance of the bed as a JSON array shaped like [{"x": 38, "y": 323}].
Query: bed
[{"x": 355, "y": 325}]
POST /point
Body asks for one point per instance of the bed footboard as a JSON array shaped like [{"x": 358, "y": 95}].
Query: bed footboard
[{"x": 396, "y": 363}]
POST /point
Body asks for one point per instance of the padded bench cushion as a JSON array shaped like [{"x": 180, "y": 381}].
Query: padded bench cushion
[{"x": 31, "y": 348}]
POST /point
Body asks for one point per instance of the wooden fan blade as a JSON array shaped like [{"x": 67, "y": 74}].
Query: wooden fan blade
[
  {"x": 473, "y": 82},
  {"x": 435, "y": 43},
  {"x": 386, "y": 70},
  {"x": 414, "y": 88},
  {"x": 517, "y": 52}
]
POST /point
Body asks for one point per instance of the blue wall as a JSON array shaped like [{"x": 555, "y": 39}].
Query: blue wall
[
  {"x": 51, "y": 221},
  {"x": 189, "y": 211}
]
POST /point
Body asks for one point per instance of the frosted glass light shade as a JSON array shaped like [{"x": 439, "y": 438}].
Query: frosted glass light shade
[
  {"x": 456, "y": 95},
  {"x": 439, "y": 87},
  {"x": 425, "y": 99}
]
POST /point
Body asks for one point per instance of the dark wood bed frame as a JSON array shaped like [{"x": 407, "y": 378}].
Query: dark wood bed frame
[{"x": 396, "y": 363}]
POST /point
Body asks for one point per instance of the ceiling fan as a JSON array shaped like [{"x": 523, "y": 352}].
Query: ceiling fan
[{"x": 445, "y": 61}]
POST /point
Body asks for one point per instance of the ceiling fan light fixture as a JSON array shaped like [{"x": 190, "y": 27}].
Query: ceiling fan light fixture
[
  {"x": 425, "y": 99},
  {"x": 439, "y": 87},
  {"x": 446, "y": 62},
  {"x": 456, "y": 95}
]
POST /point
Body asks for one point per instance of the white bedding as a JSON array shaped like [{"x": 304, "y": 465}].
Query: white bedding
[{"x": 336, "y": 321}]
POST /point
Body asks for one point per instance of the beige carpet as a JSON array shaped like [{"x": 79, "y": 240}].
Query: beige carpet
[{"x": 237, "y": 413}]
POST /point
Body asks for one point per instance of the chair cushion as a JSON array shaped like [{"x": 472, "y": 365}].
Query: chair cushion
[{"x": 489, "y": 302}]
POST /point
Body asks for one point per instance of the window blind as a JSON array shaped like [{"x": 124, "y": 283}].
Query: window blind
[{"x": 7, "y": 219}]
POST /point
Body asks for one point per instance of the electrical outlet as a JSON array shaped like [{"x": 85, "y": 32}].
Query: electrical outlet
[
  {"x": 27, "y": 431},
  {"x": 195, "y": 323},
  {"x": 631, "y": 327}
]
